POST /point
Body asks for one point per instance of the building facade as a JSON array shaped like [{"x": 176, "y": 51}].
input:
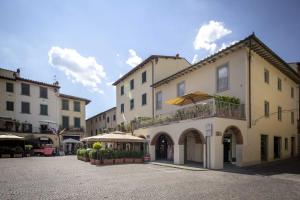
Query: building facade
[
  {"x": 103, "y": 122},
  {"x": 32, "y": 109},
  {"x": 134, "y": 93},
  {"x": 246, "y": 112}
]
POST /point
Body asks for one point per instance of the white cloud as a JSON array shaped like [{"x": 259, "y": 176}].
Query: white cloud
[
  {"x": 227, "y": 44},
  {"x": 195, "y": 58},
  {"x": 208, "y": 34},
  {"x": 80, "y": 69},
  {"x": 133, "y": 59}
]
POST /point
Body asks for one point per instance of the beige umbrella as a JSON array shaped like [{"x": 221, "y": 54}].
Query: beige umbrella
[
  {"x": 10, "y": 137},
  {"x": 114, "y": 137}
]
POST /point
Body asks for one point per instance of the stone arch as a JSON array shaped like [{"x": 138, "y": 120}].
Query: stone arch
[
  {"x": 154, "y": 139},
  {"x": 199, "y": 138},
  {"x": 237, "y": 132}
]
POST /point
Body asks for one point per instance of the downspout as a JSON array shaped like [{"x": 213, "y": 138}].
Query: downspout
[
  {"x": 152, "y": 87},
  {"x": 249, "y": 85}
]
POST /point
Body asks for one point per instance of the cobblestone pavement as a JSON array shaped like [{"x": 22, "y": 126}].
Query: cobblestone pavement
[{"x": 68, "y": 178}]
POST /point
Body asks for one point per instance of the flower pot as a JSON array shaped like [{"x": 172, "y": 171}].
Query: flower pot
[
  {"x": 98, "y": 162},
  {"x": 92, "y": 161},
  {"x": 108, "y": 161},
  {"x": 119, "y": 161},
  {"x": 138, "y": 160},
  {"x": 5, "y": 155},
  {"x": 128, "y": 160}
]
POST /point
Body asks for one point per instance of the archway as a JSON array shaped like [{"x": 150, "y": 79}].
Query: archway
[
  {"x": 164, "y": 146},
  {"x": 232, "y": 145},
  {"x": 193, "y": 141}
]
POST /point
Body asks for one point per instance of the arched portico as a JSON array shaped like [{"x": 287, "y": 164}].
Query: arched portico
[
  {"x": 232, "y": 145},
  {"x": 162, "y": 146},
  {"x": 191, "y": 146}
]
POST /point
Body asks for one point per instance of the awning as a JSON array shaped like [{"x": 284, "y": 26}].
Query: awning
[
  {"x": 114, "y": 137},
  {"x": 189, "y": 98},
  {"x": 70, "y": 140},
  {"x": 10, "y": 137}
]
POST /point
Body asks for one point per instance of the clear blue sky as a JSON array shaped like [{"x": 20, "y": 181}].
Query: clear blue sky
[{"x": 107, "y": 30}]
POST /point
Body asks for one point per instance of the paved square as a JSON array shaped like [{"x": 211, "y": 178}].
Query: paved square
[{"x": 68, "y": 178}]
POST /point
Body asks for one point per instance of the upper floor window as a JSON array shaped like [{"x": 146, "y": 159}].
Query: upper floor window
[
  {"x": 122, "y": 108},
  {"x": 131, "y": 104},
  {"x": 10, "y": 106},
  {"x": 144, "y": 99},
  {"x": 43, "y": 92},
  {"x": 292, "y": 118},
  {"x": 285, "y": 144},
  {"x": 158, "y": 100},
  {"x": 132, "y": 84},
  {"x": 65, "y": 104},
  {"x": 25, "y": 107},
  {"x": 77, "y": 106},
  {"x": 65, "y": 121},
  {"x": 43, "y": 109},
  {"x": 180, "y": 89},
  {"x": 77, "y": 122},
  {"x": 122, "y": 90},
  {"x": 279, "y": 112},
  {"x": 107, "y": 119},
  {"x": 114, "y": 117},
  {"x": 266, "y": 76},
  {"x": 25, "y": 89},
  {"x": 144, "y": 77},
  {"x": 279, "y": 84},
  {"x": 292, "y": 92},
  {"x": 9, "y": 87},
  {"x": 222, "y": 78},
  {"x": 267, "y": 109}
]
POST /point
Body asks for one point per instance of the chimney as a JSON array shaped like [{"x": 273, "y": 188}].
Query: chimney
[
  {"x": 56, "y": 83},
  {"x": 177, "y": 55},
  {"x": 18, "y": 72}
]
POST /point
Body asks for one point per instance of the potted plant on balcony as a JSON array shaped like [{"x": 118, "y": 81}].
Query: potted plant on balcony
[{"x": 107, "y": 157}]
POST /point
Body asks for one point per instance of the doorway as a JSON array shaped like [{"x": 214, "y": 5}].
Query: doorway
[
  {"x": 293, "y": 146},
  {"x": 263, "y": 147},
  {"x": 164, "y": 148},
  {"x": 277, "y": 147},
  {"x": 227, "y": 148}
]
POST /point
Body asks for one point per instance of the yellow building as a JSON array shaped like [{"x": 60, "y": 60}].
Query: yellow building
[{"x": 245, "y": 112}]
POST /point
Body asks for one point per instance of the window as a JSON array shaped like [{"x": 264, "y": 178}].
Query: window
[
  {"x": 114, "y": 117},
  {"x": 158, "y": 100},
  {"x": 292, "y": 118},
  {"x": 25, "y": 107},
  {"x": 122, "y": 90},
  {"x": 10, "y": 106},
  {"x": 103, "y": 116},
  {"x": 132, "y": 84},
  {"x": 65, "y": 104},
  {"x": 266, "y": 76},
  {"x": 131, "y": 104},
  {"x": 144, "y": 99},
  {"x": 180, "y": 89},
  {"x": 122, "y": 108},
  {"x": 43, "y": 92},
  {"x": 65, "y": 121},
  {"x": 25, "y": 89},
  {"x": 107, "y": 119},
  {"x": 144, "y": 77},
  {"x": 279, "y": 84},
  {"x": 292, "y": 92},
  {"x": 43, "y": 109},
  {"x": 267, "y": 109},
  {"x": 77, "y": 106},
  {"x": 279, "y": 113},
  {"x": 286, "y": 144},
  {"x": 222, "y": 78},
  {"x": 9, "y": 87},
  {"x": 77, "y": 122}
]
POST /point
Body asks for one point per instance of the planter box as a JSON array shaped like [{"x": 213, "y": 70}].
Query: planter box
[
  {"x": 138, "y": 160},
  {"x": 108, "y": 161},
  {"x": 18, "y": 155},
  {"x": 5, "y": 155},
  {"x": 128, "y": 160},
  {"x": 98, "y": 162},
  {"x": 119, "y": 160},
  {"x": 93, "y": 161}
]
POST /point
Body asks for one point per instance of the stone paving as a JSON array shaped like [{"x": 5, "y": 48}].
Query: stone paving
[{"x": 68, "y": 178}]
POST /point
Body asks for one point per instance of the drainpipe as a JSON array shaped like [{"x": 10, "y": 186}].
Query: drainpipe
[
  {"x": 152, "y": 87},
  {"x": 249, "y": 77}
]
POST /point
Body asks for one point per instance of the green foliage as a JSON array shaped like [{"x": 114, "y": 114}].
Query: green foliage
[
  {"x": 28, "y": 147},
  {"x": 93, "y": 154},
  {"x": 227, "y": 99},
  {"x": 97, "y": 145}
]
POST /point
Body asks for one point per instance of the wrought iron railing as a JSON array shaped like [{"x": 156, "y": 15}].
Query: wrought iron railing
[{"x": 212, "y": 108}]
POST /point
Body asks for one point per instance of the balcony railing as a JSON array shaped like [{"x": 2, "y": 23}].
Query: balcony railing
[
  {"x": 203, "y": 110},
  {"x": 73, "y": 129}
]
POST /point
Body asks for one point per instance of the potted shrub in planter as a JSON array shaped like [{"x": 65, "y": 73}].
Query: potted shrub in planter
[
  {"x": 28, "y": 150},
  {"x": 107, "y": 158},
  {"x": 86, "y": 155},
  {"x": 128, "y": 157},
  {"x": 118, "y": 155},
  {"x": 92, "y": 156},
  {"x": 96, "y": 147},
  {"x": 138, "y": 157}
]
